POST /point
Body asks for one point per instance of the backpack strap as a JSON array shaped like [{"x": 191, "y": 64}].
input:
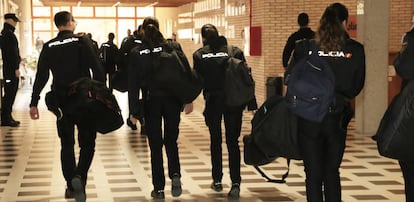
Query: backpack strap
[
  {"x": 230, "y": 50},
  {"x": 280, "y": 181}
]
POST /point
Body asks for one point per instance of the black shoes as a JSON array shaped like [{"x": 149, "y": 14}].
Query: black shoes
[
  {"x": 176, "y": 189},
  {"x": 234, "y": 192},
  {"x": 69, "y": 193},
  {"x": 216, "y": 186},
  {"x": 78, "y": 189},
  {"x": 11, "y": 123},
  {"x": 132, "y": 126},
  {"x": 157, "y": 194}
]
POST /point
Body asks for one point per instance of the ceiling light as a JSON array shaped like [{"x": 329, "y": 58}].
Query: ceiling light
[{"x": 116, "y": 4}]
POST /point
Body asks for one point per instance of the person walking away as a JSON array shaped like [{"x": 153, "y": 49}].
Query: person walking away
[
  {"x": 123, "y": 61},
  {"x": 322, "y": 145},
  {"x": 407, "y": 167},
  {"x": 69, "y": 57},
  {"x": 304, "y": 32},
  {"x": 209, "y": 62},
  {"x": 11, "y": 63},
  {"x": 160, "y": 106},
  {"x": 108, "y": 54}
]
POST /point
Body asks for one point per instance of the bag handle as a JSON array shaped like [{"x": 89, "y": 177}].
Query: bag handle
[{"x": 280, "y": 181}]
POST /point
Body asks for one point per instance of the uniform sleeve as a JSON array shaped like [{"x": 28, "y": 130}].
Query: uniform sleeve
[
  {"x": 42, "y": 76},
  {"x": 287, "y": 51},
  {"x": 360, "y": 73}
]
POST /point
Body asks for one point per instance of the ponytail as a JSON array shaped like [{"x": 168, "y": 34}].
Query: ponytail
[{"x": 331, "y": 33}]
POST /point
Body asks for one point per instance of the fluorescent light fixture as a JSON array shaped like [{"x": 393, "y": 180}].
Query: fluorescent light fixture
[
  {"x": 153, "y": 4},
  {"x": 116, "y": 4}
]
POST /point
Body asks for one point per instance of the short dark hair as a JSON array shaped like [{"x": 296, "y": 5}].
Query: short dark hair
[
  {"x": 62, "y": 18},
  {"x": 303, "y": 19},
  {"x": 111, "y": 36},
  {"x": 209, "y": 31}
]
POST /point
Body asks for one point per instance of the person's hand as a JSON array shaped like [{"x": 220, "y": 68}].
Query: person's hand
[
  {"x": 188, "y": 108},
  {"x": 133, "y": 119},
  {"x": 17, "y": 73},
  {"x": 34, "y": 113}
]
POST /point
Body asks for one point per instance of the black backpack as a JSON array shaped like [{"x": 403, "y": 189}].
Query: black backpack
[
  {"x": 274, "y": 134},
  {"x": 311, "y": 87},
  {"x": 238, "y": 81},
  {"x": 404, "y": 60},
  {"x": 173, "y": 73},
  {"x": 93, "y": 103}
]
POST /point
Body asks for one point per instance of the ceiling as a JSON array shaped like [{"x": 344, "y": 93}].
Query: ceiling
[{"x": 156, "y": 3}]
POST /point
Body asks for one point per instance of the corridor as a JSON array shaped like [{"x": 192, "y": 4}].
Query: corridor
[{"x": 30, "y": 165}]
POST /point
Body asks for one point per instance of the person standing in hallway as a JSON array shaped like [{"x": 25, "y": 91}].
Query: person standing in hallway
[
  {"x": 69, "y": 57},
  {"x": 160, "y": 106},
  {"x": 11, "y": 63},
  {"x": 108, "y": 55},
  {"x": 304, "y": 32},
  {"x": 322, "y": 145},
  {"x": 129, "y": 36},
  {"x": 209, "y": 62}
]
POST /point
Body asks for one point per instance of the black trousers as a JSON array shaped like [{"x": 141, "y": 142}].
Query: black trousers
[
  {"x": 10, "y": 90},
  {"x": 214, "y": 112},
  {"x": 322, "y": 146},
  {"x": 407, "y": 169},
  {"x": 86, "y": 139},
  {"x": 157, "y": 109}
]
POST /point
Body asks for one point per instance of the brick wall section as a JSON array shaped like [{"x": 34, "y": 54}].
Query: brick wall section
[
  {"x": 399, "y": 22},
  {"x": 278, "y": 19}
]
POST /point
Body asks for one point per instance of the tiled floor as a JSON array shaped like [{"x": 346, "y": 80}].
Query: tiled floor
[{"x": 30, "y": 165}]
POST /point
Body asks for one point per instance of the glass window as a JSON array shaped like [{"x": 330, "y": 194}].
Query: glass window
[
  {"x": 44, "y": 36},
  {"x": 123, "y": 26},
  {"x": 145, "y": 11},
  {"x": 185, "y": 33},
  {"x": 41, "y": 11},
  {"x": 42, "y": 24},
  {"x": 62, "y": 8},
  {"x": 139, "y": 21},
  {"x": 100, "y": 28},
  {"x": 126, "y": 12},
  {"x": 105, "y": 11},
  {"x": 82, "y": 11}
]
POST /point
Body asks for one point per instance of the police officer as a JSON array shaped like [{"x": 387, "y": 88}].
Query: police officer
[
  {"x": 123, "y": 61},
  {"x": 304, "y": 32},
  {"x": 322, "y": 145},
  {"x": 159, "y": 105},
  {"x": 209, "y": 62},
  {"x": 108, "y": 54},
  {"x": 69, "y": 57},
  {"x": 11, "y": 60}
]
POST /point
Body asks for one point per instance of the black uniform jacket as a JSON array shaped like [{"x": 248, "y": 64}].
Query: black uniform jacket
[
  {"x": 142, "y": 59},
  {"x": 210, "y": 61},
  {"x": 9, "y": 51},
  {"x": 69, "y": 57}
]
